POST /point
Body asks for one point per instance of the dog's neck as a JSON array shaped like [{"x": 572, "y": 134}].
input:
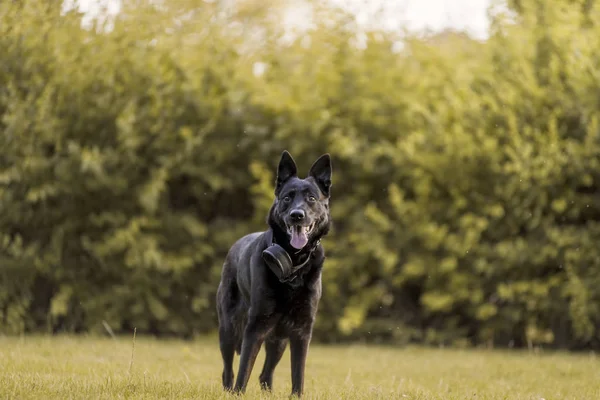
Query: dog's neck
[{"x": 298, "y": 257}]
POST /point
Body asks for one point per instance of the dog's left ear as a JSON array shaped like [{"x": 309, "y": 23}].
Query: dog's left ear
[
  {"x": 286, "y": 170},
  {"x": 321, "y": 172}
]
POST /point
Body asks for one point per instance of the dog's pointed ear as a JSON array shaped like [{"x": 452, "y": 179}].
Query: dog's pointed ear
[
  {"x": 286, "y": 170},
  {"x": 321, "y": 172}
]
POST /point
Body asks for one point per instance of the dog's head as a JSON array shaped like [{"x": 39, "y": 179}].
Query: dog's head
[{"x": 301, "y": 206}]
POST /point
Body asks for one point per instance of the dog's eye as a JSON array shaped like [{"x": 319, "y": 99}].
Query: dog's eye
[
  {"x": 286, "y": 199},
  {"x": 312, "y": 199}
]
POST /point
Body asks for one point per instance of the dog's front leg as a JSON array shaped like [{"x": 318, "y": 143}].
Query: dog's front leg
[
  {"x": 257, "y": 329},
  {"x": 298, "y": 351}
]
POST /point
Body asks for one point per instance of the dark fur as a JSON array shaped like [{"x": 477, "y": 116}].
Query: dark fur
[{"x": 253, "y": 306}]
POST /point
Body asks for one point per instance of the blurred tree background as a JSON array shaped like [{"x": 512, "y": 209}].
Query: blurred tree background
[{"x": 466, "y": 173}]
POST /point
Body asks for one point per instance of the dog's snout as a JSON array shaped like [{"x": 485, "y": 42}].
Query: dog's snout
[{"x": 297, "y": 215}]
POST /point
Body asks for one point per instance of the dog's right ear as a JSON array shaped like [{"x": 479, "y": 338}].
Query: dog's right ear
[
  {"x": 286, "y": 170},
  {"x": 321, "y": 173}
]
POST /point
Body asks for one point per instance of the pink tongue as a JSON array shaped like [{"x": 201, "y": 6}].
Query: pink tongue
[{"x": 299, "y": 239}]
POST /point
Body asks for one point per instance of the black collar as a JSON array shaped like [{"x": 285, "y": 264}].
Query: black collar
[{"x": 270, "y": 237}]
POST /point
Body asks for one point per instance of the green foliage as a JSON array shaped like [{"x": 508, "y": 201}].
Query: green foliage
[{"x": 466, "y": 174}]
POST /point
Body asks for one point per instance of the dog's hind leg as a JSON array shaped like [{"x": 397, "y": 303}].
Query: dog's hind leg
[
  {"x": 227, "y": 345},
  {"x": 274, "y": 351},
  {"x": 227, "y": 333}
]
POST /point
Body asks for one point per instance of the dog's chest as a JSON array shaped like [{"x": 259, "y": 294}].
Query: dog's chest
[{"x": 296, "y": 313}]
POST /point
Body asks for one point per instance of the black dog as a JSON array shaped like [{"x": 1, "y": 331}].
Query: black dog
[{"x": 271, "y": 281}]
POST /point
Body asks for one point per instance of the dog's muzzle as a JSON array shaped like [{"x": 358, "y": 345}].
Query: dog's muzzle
[{"x": 279, "y": 261}]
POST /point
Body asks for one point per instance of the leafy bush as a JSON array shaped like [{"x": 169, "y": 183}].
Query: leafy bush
[{"x": 466, "y": 173}]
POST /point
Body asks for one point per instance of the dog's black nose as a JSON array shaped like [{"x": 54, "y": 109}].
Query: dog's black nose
[{"x": 297, "y": 215}]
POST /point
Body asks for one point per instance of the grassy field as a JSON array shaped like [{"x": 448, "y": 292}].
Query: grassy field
[{"x": 96, "y": 368}]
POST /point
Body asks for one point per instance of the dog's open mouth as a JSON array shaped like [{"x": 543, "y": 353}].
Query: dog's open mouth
[{"x": 299, "y": 235}]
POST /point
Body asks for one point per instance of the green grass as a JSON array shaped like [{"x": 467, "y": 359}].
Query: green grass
[{"x": 96, "y": 368}]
